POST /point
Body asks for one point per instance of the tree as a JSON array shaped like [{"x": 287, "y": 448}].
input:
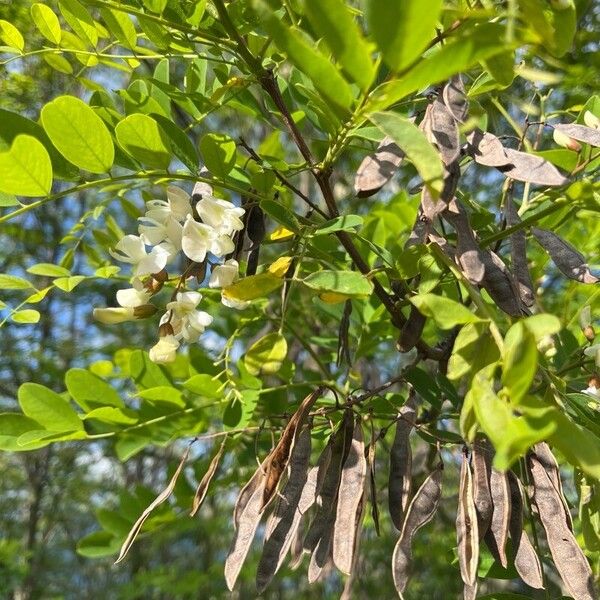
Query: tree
[{"x": 345, "y": 214}]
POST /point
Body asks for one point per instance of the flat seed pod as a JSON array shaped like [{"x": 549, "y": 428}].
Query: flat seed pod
[
  {"x": 584, "y": 134},
  {"x": 432, "y": 208},
  {"x": 377, "y": 169},
  {"x": 314, "y": 480},
  {"x": 297, "y": 545},
  {"x": 531, "y": 169},
  {"x": 256, "y": 481},
  {"x": 285, "y": 518},
  {"x": 411, "y": 331},
  {"x": 545, "y": 456},
  {"x": 206, "y": 479},
  {"x": 482, "y": 497},
  {"x": 466, "y": 526},
  {"x": 518, "y": 254},
  {"x": 442, "y": 130},
  {"x": 500, "y": 284},
  {"x": 487, "y": 149},
  {"x": 568, "y": 260},
  {"x": 343, "y": 353},
  {"x": 420, "y": 511},
  {"x": 350, "y": 496},
  {"x": 400, "y": 477},
  {"x": 455, "y": 99},
  {"x": 497, "y": 534},
  {"x": 373, "y": 484},
  {"x": 526, "y": 559},
  {"x": 568, "y": 558},
  {"x": 470, "y": 592},
  {"x": 255, "y": 227}
]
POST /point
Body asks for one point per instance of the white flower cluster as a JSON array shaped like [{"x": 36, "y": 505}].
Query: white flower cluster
[{"x": 167, "y": 229}]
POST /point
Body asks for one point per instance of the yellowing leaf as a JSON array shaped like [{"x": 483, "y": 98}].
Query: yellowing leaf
[
  {"x": 266, "y": 355},
  {"x": 281, "y": 233},
  {"x": 333, "y": 298},
  {"x": 280, "y": 267},
  {"x": 255, "y": 286}
]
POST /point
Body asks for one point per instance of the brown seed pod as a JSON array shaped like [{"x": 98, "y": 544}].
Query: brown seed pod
[
  {"x": 482, "y": 467},
  {"x": 455, "y": 98},
  {"x": 466, "y": 526},
  {"x": 400, "y": 479},
  {"x": 285, "y": 518},
  {"x": 420, "y": 511},
  {"x": 531, "y": 169},
  {"x": 584, "y": 134},
  {"x": 373, "y": 484},
  {"x": 350, "y": 495},
  {"x": 568, "y": 558},
  {"x": 411, "y": 331},
  {"x": 377, "y": 169},
  {"x": 420, "y": 230},
  {"x": 487, "y": 149},
  {"x": 526, "y": 559},
  {"x": 518, "y": 254},
  {"x": 442, "y": 130},
  {"x": 205, "y": 481},
  {"x": 343, "y": 353},
  {"x": 470, "y": 592},
  {"x": 497, "y": 534},
  {"x": 568, "y": 260}
]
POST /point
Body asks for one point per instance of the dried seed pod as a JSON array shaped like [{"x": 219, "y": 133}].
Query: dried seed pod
[
  {"x": 584, "y": 134},
  {"x": 420, "y": 230},
  {"x": 497, "y": 534},
  {"x": 531, "y": 169},
  {"x": 377, "y": 169},
  {"x": 482, "y": 467},
  {"x": 205, "y": 481},
  {"x": 455, "y": 98},
  {"x": 400, "y": 480},
  {"x": 343, "y": 352},
  {"x": 373, "y": 484},
  {"x": 314, "y": 480},
  {"x": 466, "y": 526},
  {"x": 352, "y": 483},
  {"x": 442, "y": 130},
  {"x": 470, "y": 592},
  {"x": 256, "y": 481},
  {"x": 432, "y": 208},
  {"x": 252, "y": 264},
  {"x": 283, "y": 521},
  {"x": 411, "y": 331},
  {"x": 518, "y": 253},
  {"x": 545, "y": 456},
  {"x": 297, "y": 545},
  {"x": 526, "y": 559},
  {"x": 569, "y": 261},
  {"x": 568, "y": 558},
  {"x": 164, "y": 495},
  {"x": 420, "y": 511},
  {"x": 487, "y": 149},
  {"x": 255, "y": 227}
]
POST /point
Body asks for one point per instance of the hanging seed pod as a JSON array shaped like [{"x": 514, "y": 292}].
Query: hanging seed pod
[
  {"x": 518, "y": 254},
  {"x": 400, "y": 480},
  {"x": 411, "y": 331},
  {"x": 487, "y": 149},
  {"x": 546, "y": 458},
  {"x": 432, "y": 208},
  {"x": 352, "y": 483},
  {"x": 256, "y": 481},
  {"x": 567, "y": 259},
  {"x": 343, "y": 353},
  {"x": 373, "y": 484},
  {"x": 584, "y": 134},
  {"x": 482, "y": 497},
  {"x": 283, "y": 521},
  {"x": 297, "y": 545},
  {"x": 377, "y": 169},
  {"x": 204, "y": 484},
  {"x": 455, "y": 98},
  {"x": 568, "y": 558},
  {"x": 420, "y": 511},
  {"x": 252, "y": 264},
  {"x": 531, "y": 169},
  {"x": 526, "y": 559},
  {"x": 255, "y": 228},
  {"x": 497, "y": 534},
  {"x": 420, "y": 230},
  {"x": 466, "y": 526},
  {"x": 470, "y": 592},
  {"x": 442, "y": 130}
]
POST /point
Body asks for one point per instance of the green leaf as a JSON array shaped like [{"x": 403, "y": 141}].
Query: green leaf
[
  {"x": 89, "y": 391},
  {"x": 218, "y": 152},
  {"x": 121, "y": 26},
  {"x": 542, "y": 325},
  {"x": 48, "y": 270},
  {"x": 46, "y": 21},
  {"x": 49, "y": 409},
  {"x": 12, "y": 282},
  {"x": 12, "y": 427},
  {"x": 343, "y": 223},
  {"x": 25, "y": 316},
  {"x": 402, "y": 29},
  {"x": 346, "y": 283},
  {"x": 25, "y": 169},
  {"x": 79, "y": 20},
  {"x": 203, "y": 385},
  {"x": 520, "y": 361},
  {"x": 265, "y": 356},
  {"x": 142, "y": 138},
  {"x": 162, "y": 393},
  {"x": 98, "y": 544},
  {"x": 281, "y": 214},
  {"x": 179, "y": 143},
  {"x": 144, "y": 372},
  {"x": 59, "y": 63},
  {"x": 303, "y": 54},
  {"x": 414, "y": 144},
  {"x": 79, "y": 134},
  {"x": 255, "y": 286},
  {"x": 129, "y": 445},
  {"x": 445, "y": 312},
  {"x": 110, "y": 414},
  {"x": 474, "y": 349},
  {"x": 332, "y": 20},
  {"x": 238, "y": 412},
  {"x": 68, "y": 284},
  {"x": 11, "y": 36},
  {"x": 8, "y": 200},
  {"x": 554, "y": 28}
]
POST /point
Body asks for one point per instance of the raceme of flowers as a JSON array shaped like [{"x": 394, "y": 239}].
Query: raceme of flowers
[{"x": 167, "y": 229}]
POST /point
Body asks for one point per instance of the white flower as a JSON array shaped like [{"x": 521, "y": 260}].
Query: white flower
[
  {"x": 225, "y": 274},
  {"x": 220, "y": 214},
  {"x": 187, "y": 322},
  {"x": 135, "y": 296},
  {"x": 592, "y": 390},
  {"x": 165, "y": 350},
  {"x": 594, "y": 352},
  {"x": 233, "y": 303},
  {"x": 197, "y": 239},
  {"x": 154, "y": 232},
  {"x": 131, "y": 249},
  {"x": 177, "y": 206},
  {"x": 111, "y": 316}
]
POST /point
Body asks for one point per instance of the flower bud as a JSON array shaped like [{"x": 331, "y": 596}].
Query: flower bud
[
  {"x": 165, "y": 350},
  {"x": 589, "y": 333},
  {"x": 591, "y": 120},
  {"x": 111, "y": 316},
  {"x": 562, "y": 139}
]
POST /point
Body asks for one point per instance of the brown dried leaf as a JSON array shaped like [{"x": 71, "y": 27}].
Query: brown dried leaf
[
  {"x": 400, "y": 479},
  {"x": 568, "y": 260},
  {"x": 466, "y": 526},
  {"x": 377, "y": 169},
  {"x": 497, "y": 534},
  {"x": 526, "y": 559},
  {"x": 420, "y": 511},
  {"x": 455, "y": 98},
  {"x": 531, "y": 169},
  {"x": 482, "y": 466},
  {"x": 352, "y": 483},
  {"x": 518, "y": 253},
  {"x": 487, "y": 149},
  {"x": 568, "y": 558},
  {"x": 164, "y": 495},
  {"x": 584, "y": 134},
  {"x": 205, "y": 481}
]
